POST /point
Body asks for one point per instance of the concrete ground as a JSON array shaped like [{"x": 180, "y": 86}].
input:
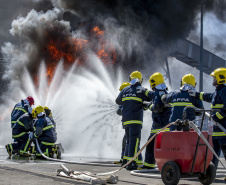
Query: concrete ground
[{"x": 32, "y": 172}]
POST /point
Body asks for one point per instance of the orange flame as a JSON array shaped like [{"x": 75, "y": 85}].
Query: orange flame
[{"x": 72, "y": 49}]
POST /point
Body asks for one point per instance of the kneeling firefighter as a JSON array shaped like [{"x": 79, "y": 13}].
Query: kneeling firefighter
[
  {"x": 218, "y": 101},
  {"x": 20, "y": 135},
  {"x": 160, "y": 116},
  {"x": 132, "y": 115},
  {"x": 181, "y": 99},
  {"x": 44, "y": 132}
]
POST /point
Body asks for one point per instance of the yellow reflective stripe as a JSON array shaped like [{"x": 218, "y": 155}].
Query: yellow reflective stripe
[
  {"x": 48, "y": 127},
  {"x": 139, "y": 161},
  {"x": 128, "y": 158},
  {"x": 21, "y": 109},
  {"x": 151, "y": 106},
  {"x": 25, "y": 148},
  {"x": 219, "y": 115},
  {"x": 11, "y": 146},
  {"x": 146, "y": 92},
  {"x": 125, "y": 157},
  {"x": 201, "y": 95},
  {"x": 219, "y": 134},
  {"x": 156, "y": 130},
  {"x": 132, "y": 98},
  {"x": 20, "y": 123},
  {"x": 46, "y": 143},
  {"x": 13, "y": 121},
  {"x": 149, "y": 165},
  {"x": 216, "y": 106},
  {"x": 182, "y": 104},
  {"x": 132, "y": 122},
  {"x": 21, "y": 134}
]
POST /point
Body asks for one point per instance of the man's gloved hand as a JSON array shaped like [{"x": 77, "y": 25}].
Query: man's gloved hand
[
  {"x": 146, "y": 105},
  {"x": 192, "y": 93},
  {"x": 140, "y": 89},
  {"x": 31, "y": 135}
]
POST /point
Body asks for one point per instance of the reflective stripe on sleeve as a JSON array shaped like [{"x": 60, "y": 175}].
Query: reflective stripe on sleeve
[
  {"x": 20, "y": 123},
  {"x": 146, "y": 92},
  {"x": 21, "y": 109},
  {"x": 217, "y": 106},
  {"x": 219, "y": 115},
  {"x": 201, "y": 95},
  {"x": 48, "y": 127},
  {"x": 21, "y": 134}
]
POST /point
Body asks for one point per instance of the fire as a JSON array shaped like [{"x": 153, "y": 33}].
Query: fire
[{"x": 71, "y": 49}]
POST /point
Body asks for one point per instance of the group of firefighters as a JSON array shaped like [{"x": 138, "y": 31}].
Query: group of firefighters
[
  {"x": 166, "y": 108},
  {"x": 30, "y": 124}
]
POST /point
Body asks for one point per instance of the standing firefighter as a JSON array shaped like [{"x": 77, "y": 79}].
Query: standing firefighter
[
  {"x": 20, "y": 135},
  {"x": 21, "y": 108},
  {"x": 44, "y": 132},
  {"x": 160, "y": 116},
  {"x": 132, "y": 115},
  {"x": 181, "y": 99},
  {"x": 218, "y": 101}
]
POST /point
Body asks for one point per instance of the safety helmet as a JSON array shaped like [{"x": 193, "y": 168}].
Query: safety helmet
[
  {"x": 124, "y": 84},
  {"x": 156, "y": 79},
  {"x": 31, "y": 101},
  {"x": 220, "y": 75},
  {"x": 39, "y": 109},
  {"x": 48, "y": 111},
  {"x": 136, "y": 74},
  {"x": 188, "y": 79}
]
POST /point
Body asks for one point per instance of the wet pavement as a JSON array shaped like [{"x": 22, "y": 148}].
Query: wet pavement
[{"x": 17, "y": 170}]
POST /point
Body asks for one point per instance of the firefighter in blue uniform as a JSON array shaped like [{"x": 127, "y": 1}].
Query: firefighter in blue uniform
[
  {"x": 44, "y": 132},
  {"x": 180, "y": 99},
  {"x": 20, "y": 134},
  {"x": 218, "y": 101},
  {"x": 160, "y": 117},
  {"x": 21, "y": 108},
  {"x": 132, "y": 115}
]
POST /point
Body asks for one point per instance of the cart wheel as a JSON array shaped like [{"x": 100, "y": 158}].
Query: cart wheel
[
  {"x": 170, "y": 173},
  {"x": 210, "y": 175}
]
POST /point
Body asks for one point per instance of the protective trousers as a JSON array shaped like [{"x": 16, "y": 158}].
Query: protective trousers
[
  {"x": 133, "y": 135},
  {"x": 149, "y": 154},
  {"x": 21, "y": 145},
  {"x": 219, "y": 145}
]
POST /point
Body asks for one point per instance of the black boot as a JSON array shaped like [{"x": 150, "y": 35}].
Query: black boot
[
  {"x": 132, "y": 166},
  {"x": 124, "y": 161}
]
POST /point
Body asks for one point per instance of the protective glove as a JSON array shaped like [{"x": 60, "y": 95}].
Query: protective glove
[
  {"x": 146, "y": 105},
  {"x": 140, "y": 89},
  {"x": 31, "y": 135},
  {"x": 192, "y": 93}
]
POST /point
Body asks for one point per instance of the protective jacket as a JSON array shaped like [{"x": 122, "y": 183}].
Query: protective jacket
[
  {"x": 179, "y": 100},
  {"x": 22, "y": 126},
  {"x": 45, "y": 130},
  {"x": 18, "y": 110},
  {"x": 160, "y": 112},
  {"x": 218, "y": 101},
  {"x": 132, "y": 105}
]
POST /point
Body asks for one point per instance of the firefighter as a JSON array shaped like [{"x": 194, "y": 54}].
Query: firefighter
[
  {"x": 180, "y": 99},
  {"x": 218, "y": 101},
  {"x": 131, "y": 100},
  {"x": 21, "y": 108},
  {"x": 44, "y": 132},
  {"x": 49, "y": 114},
  {"x": 160, "y": 117},
  {"x": 20, "y": 135}
]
